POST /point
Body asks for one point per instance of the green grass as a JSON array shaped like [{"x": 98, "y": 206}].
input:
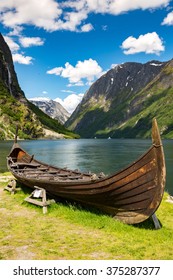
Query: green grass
[
  {"x": 70, "y": 232},
  {"x": 29, "y": 118},
  {"x": 127, "y": 114},
  {"x": 52, "y": 124}
]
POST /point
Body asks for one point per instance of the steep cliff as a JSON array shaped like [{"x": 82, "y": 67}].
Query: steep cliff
[
  {"x": 7, "y": 73},
  {"x": 121, "y": 102},
  {"x": 15, "y": 109}
]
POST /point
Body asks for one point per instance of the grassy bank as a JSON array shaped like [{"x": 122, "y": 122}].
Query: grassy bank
[{"x": 68, "y": 232}]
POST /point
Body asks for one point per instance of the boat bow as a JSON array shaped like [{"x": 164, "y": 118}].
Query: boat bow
[{"x": 131, "y": 195}]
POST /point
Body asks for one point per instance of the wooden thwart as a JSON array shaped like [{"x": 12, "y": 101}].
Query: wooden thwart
[
  {"x": 12, "y": 187},
  {"x": 36, "y": 195}
]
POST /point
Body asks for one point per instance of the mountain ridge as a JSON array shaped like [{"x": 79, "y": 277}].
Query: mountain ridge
[
  {"x": 52, "y": 108},
  {"x": 119, "y": 97}
]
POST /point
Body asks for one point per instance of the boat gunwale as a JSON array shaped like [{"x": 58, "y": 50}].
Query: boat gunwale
[{"x": 80, "y": 182}]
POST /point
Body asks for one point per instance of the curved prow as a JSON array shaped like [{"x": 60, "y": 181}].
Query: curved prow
[
  {"x": 161, "y": 167},
  {"x": 155, "y": 134}
]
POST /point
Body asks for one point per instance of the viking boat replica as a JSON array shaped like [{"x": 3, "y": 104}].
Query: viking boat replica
[{"x": 131, "y": 195}]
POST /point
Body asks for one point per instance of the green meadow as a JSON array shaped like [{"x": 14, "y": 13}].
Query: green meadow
[{"x": 70, "y": 232}]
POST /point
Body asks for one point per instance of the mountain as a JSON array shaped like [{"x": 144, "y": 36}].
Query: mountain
[
  {"x": 123, "y": 102},
  {"x": 7, "y": 72},
  {"x": 15, "y": 109},
  {"x": 52, "y": 108}
]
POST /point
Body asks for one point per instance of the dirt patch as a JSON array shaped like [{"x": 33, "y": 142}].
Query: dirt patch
[
  {"x": 170, "y": 199},
  {"x": 19, "y": 253},
  {"x": 24, "y": 253},
  {"x": 52, "y": 134}
]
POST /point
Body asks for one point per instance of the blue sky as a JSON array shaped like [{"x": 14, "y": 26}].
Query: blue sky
[{"x": 60, "y": 47}]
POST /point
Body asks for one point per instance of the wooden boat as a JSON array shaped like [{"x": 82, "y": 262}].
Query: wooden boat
[{"x": 131, "y": 195}]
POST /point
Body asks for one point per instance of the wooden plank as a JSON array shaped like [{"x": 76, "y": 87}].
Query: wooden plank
[
  {"x": 12, "y": 187},
  {"x": 34, "y": 198},
  {"x": 27, "y": 164},
  {"x": 39, "y": 203}
]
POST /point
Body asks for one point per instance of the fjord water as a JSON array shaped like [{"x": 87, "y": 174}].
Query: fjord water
[{"x": 95, "y": 155}]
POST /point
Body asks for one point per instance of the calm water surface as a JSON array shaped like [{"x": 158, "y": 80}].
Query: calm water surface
[{"x": 96, "y": 155}]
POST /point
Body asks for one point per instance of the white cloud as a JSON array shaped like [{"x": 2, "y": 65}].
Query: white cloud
[
  {"x": 78, "y": 84},
  {"x": 72, "y": 20},
  {"x": 117, "y": 7},
  {"x": 87, "y": 27},
  {"x": 168, "y": 20},
  {"x": 67, "y": 91},
  {"x": 54, "y": 15},
  {"x": 55, "y": 71},
  {"x": 83, "y": 70},
  {"x": 31, "y": 41},
  {"x": 148, "y": 43},
  {"x": 39, "y": 99},
  {"x": 46, "y": 14},
  {"x": 12, "y": 45},
  {"x": 70, "y": 102},
  {"x": 38, "y": 13},
  {"x": 21, "y": 59},
  {"x": 16, "y": 31},
  {"x": 25, "y": 42}
]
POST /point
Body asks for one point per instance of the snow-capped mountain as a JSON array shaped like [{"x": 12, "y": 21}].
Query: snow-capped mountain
[
  {"x": 123, "y": 101},
  {"x": 52, "y": 108}
]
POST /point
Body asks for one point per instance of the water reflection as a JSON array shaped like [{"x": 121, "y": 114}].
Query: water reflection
[{"x": 96, "y": 155}]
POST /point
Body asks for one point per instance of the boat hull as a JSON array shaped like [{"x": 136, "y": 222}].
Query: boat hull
[{"x": 131, "y": 195}]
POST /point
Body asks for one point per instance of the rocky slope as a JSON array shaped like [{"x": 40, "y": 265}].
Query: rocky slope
[
  {"x": 52, "y": 108},
  {"x": 13, "y": 104},
  {"x": 15, "y": 109},
  {"x": 7, "y": 72},
  {"x": 123, "y": 102}
]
